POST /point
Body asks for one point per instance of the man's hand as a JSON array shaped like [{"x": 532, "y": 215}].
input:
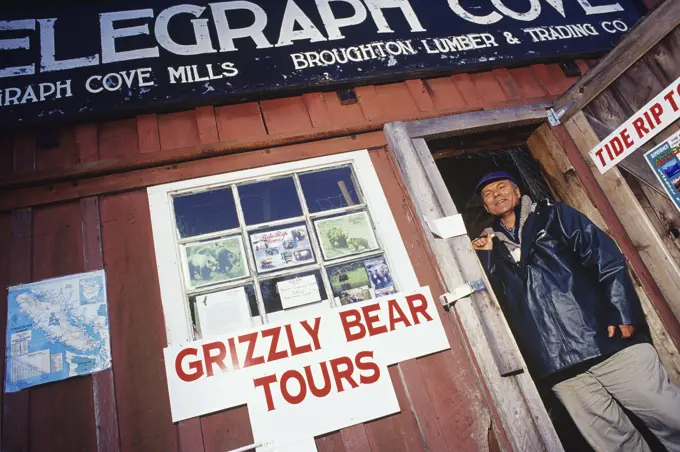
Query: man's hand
[
  {"x": 484, "y": 242},
  {"x": 626, "y": 331}
]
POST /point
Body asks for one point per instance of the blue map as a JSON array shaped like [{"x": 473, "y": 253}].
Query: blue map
[{"x": 56, "y": 329}]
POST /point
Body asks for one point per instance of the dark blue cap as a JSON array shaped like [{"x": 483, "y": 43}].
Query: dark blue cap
[{"x": 493, "y": 177}]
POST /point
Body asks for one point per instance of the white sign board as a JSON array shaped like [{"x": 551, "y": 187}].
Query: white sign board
[
  {"x": 645, "y": 124},
  {"x": 304, "y": 378}
]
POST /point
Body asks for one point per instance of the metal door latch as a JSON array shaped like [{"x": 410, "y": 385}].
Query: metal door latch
[{"x": 449, "y": 298}]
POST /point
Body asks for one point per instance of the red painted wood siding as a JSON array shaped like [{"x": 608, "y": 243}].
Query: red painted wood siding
[{"x": 67, "y": 230}]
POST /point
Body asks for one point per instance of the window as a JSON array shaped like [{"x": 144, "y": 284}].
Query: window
[{"x": 250, "y": 247}]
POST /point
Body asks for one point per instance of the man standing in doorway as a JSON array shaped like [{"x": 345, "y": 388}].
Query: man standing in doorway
[{"x": 566, "y": 293}]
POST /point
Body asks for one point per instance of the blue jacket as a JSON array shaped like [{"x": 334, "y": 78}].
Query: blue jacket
[{"x": 570, "y": 284}]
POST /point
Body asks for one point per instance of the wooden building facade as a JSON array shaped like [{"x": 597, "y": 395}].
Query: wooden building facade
[{"x": 80, "y": 202}]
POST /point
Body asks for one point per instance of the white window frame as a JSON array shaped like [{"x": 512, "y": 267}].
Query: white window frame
[{"x": 168, "y": 260}]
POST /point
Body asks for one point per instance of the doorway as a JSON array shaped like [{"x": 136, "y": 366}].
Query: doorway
[{"x": 461, "y": 169}]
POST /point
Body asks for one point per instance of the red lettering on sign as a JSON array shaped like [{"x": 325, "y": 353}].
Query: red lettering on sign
[
  {"x": 294, "y": 349},
  {"x": 649, "y": 120},
  {"x": 345, "y": 374},
  {"x": 371, "y": 318},
  {"x": 313, "y": 331},
  {"x": 274, "y": 333},
  {"x": 216, "y": 359},
  {"x": 251, "y": 339},
  {"x": 669, "y": 98},
  {"x": 396, "y": 314},
  {"x": 608, "y": 148},
  {"x": 657, "y": 111},
  {"x": 640, "y": 127},
  {"x": 617, "y": 146},
  {"x": 599, "y": 154},
  {"x": 287, "y": 396},
  {"x": 625, "y": 136},
  {"x": 352, "y": 319},
  {"x": 193, "y": 365},
  {"x": 370, "y": 365},
  {"x": 232, "y": 352},
  {"x": 266, "y": 383},
  {"x": 420, "y": 308},
  {"x": 326, "y": 389}
]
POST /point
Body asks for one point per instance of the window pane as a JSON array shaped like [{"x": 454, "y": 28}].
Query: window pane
[
  {"x": 288, "y": 292},
  {"x": 282, "y": 247},
  {"x": 344, "y": 235},
  {"x": 202, "y": 213},
  {"x": 269, "y": 201},
  {"x": 329, "y": 189},
  {"x": 224, "y": 311},
  {"x": 361, "y": 280},
  {"x": 215, "y": 261}
]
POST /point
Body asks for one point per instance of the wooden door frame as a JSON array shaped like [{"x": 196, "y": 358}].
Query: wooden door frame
[
  {"x": 510, "y": 386},
  {"x": 512, "y": 391}
]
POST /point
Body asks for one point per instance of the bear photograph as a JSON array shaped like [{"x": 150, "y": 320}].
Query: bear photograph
[{"x": 215, "y": 261}]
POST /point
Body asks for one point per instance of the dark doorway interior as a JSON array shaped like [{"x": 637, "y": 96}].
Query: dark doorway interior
[{"x": 461, "y": 171}]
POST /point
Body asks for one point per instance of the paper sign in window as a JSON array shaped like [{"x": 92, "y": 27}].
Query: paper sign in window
[
  {"x": 298, "y": 291},
  {"x": 223, "y": 312}
]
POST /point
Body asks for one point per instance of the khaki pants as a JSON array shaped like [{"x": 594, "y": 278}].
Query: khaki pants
[{"x": 636, "y": 379}]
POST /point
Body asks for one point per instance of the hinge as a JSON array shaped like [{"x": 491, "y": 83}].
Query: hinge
[
  {"x": 554, "y": 117},
  {"x": 449, "y": 298}
]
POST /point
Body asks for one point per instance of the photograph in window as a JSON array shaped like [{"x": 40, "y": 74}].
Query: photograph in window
[
  {"x": 361, "y": 280},
  {"x": 216, "y": 261},
  {"x": 281, "y": 248},
  {"x": 345, "y": 235}
]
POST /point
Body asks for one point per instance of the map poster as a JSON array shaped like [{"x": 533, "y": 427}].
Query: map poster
[
  {"x": 56, "y": 329},
  {"x": 665, "y": 162}
]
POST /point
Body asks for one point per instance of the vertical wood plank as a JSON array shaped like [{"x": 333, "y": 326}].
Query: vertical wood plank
[
  {"x": 178, "y": 130},
  {"x": 331, "y": 442},
  {"x": 445, "y": 95},
  {"x": 190, "y": 436},
  {"x": 240, "y": 122},
  {"x": 343, "y": 115},
  {"x": 355, "y": 439},
  {"x": 318, "y": 111},
  {"x": 86, "y": 143},
  {"x": 396, "y": 101},
  {"x": 147, "y": 131},
  {"x": 227, "y": 430},
  {"x": 464, "y": 84},
  {"x": 103, "y": 390},
  {"x": 57, "y": 251},
  {"x": 420, "y": 95},
  {"x": 63, "y": 155},
  {"x": 136, "y": 324},
  {"x": 527, "y": 83},
  {"x": 207, "y": 125},
  {"x": 369, "y": 103},
  {"x": 118, "y": 139},
  {"x": 24, "y": 153},
  {"x": 16, "y": 406},
  {"x": 508, "y": 84},
  {"x": 489, "y": 90},
  {"x": 285, "y": 116}
]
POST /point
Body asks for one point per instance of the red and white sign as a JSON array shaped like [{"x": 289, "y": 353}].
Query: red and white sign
[
  {"x": 644, "y": 125},
  {"x": 303, "y": 378}
]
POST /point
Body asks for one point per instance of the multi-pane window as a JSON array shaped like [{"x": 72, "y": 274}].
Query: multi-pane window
[{"x": 253, "y": 249}]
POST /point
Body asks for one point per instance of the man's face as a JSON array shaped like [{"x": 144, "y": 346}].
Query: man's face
[{"x": 500, "y": 197}]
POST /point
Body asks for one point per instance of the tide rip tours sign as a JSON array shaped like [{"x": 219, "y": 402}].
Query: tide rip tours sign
[
  {"x": 97, "y": 59},
  {"x": 645, "y": 124},
  {"x": 307, "y": 377}
]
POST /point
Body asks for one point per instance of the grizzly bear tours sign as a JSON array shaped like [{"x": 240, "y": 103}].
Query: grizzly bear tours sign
[
  {"x": 310, "y": 376},
  {"x": 73, "y": 59}
]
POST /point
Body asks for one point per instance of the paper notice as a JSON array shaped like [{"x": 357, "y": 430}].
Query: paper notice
[
  {"x": 19, "y": 342},
  {"x": 447, "y": 227},
  {"x": 298, "y": 291},
  {"x": 223, "y": 312},
  {"x": 30, "y": 365}
]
